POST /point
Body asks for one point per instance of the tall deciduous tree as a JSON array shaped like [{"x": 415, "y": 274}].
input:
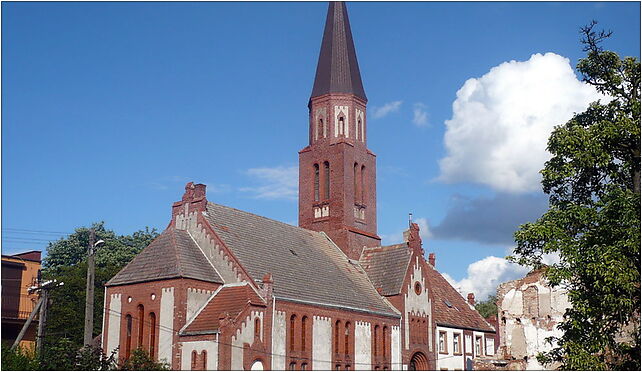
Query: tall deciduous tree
[{"x": 593, "y": 221}]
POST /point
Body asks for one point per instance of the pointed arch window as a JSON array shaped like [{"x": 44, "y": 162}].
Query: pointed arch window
[
  {"x": 342, "y": 125},
  {"x": 141, "y": 328},
  {"x": 304, "y": 322},
  {"x": 346, "y": 340},
  {"x": 362, "y": 181},
  {"x": 204, "y": 361},
  {"x": 257, "y": 328},
  {"x": 292, "y": 322},
  {"x": 355, "y": 177},
  {"x": 128, "y": 339},
  {"x": 152, "y": 334},
  {"x": 358, "y": 131},
  {"x": 337, "y": 333},
  {"x": 316, "y": 182},
  {"x": 376, "y": 340},
  {"x": 326, "y": 179},
  {"x": 320, "y": 129},
  {"x": 383, "y": 341},
  {"x": 194, "y": 357}
]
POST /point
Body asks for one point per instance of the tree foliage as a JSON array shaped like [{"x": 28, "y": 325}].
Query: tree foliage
[
  {"x": 66, "y": 262},
  {"x": 593, "y": 221},
  {"x": 141, "y": 361},
  {"x": 488, "y": 307}
]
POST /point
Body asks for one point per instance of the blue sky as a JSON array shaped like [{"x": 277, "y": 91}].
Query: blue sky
[{"x": 108, "y": 109}]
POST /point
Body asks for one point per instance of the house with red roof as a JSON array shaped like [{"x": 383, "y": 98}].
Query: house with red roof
[{"x": 222, "y": 288}]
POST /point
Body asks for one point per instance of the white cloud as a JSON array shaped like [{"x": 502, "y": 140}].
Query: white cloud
[
  {"x": 501, "y": 122},
  {"x": 420, "y": 115},
  {"x": 397, "y": 237},
  {"x": 379, "y": 112},
  {"x": 424, "y": 229},
  {"x": 485, "y": 275},
  {"x": 275, "y": 183}
]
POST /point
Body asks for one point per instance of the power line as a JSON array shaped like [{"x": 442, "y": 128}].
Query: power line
[{"x": 28, "y": 231}]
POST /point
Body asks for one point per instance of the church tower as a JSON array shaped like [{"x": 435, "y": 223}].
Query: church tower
[{"x": 337, "y": 172}]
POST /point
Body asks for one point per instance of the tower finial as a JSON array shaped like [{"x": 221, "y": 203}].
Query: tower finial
[{"x": 338, "y": 69}]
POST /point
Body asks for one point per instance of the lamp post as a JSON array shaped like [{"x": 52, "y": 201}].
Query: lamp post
[{"x": 89, "y": 299}]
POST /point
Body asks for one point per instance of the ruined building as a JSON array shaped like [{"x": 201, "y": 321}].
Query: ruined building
[{"x": 221, "y": 288}]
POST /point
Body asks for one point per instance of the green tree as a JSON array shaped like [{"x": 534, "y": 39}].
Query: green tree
[
  {"x": 66, "y": 262},
  {"x": 488, "y": 307},
  {"x": 593, "y": 221}
]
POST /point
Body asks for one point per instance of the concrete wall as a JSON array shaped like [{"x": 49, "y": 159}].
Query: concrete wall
[
  {"x": 245, "y": 334},
  {"x": 196, "y": 298},
  {"x": 321, "y": 343},
  {"x": 211, "y": 347},
  {"x": 113, "y": 334},
  {"x": 529, "y": 312},
  {"x": 278, "y": 341},
  {"x": 166, "y": 325},
  {"x": 362, "y": 346}
]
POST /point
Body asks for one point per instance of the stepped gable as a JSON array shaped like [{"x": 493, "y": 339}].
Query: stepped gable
[
  {"x": 386, "y": 267},
  {"x": 306, "y": 266},
  {"x": 228, "y": 301},
  {"x": 459, "y": 314},
  {"x": 173, "y": 254}
]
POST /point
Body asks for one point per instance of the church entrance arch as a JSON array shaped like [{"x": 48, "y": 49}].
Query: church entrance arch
[
  {"x": 257, "y": 366},
  {"x": 418, "y": 362}
]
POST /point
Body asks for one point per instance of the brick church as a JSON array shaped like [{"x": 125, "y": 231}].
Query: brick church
[{"x": 225, "y": 289}]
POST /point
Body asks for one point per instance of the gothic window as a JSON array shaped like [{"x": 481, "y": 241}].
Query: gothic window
[
  {"x": 424, "y": 333},
  {"x": 257, "y": 328},
  {"x": 292, "y": 366},
  {"x": 358, "y": 131},
  {"x": 337, "y": 328},
  {"x": 383, "y": 339},
  {"x": 292, "y": 321},
  {"x": 346, "y": 339},
  {"x": 363, "y": 190},
  {"x": 152, "y": 334},
  {"x": 141, "y": 316},
  {"x": 204, "y": 361},
  {"x": 128, "y": 339},
  {"x": 304, "y": 322},
  {"x": 342, "y": 125},
  {"x": 316, "y": 182},
  {"x": 356, "y": 182},
  {"x": 194, "y": 357},
  {"x": 326, "y": 178},
  {"x": 376, "y": 340},
  {"x": 304, "y": 366}
]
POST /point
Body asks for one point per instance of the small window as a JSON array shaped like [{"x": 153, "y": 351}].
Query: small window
[
  {"x": 326, "y": 178},
  {"x": 204, "y": 361},
  {"x": 316, "y": 182},
  {"x": 457, "y": 343},
  {"x": 257, "y": 328},
  {"x": 292, "y": 322},
  {"x": 304, "y": 366},
  {"x": 346, "y": 346},
  {"x": 342, "y": 125},
  {"x": 292, "y": 366},
  {"x": 478, "y": 345},
  {"x": 418, "y": 288},
  {"x": 337, "y": 367},
  {"x": 194, "y": 356},
  {"x": 304, "y": 322},
  {"x": 442, "y": 342},
  {"x": 320, "y": 131}
]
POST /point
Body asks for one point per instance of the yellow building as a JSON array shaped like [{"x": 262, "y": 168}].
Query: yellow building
[{"x": 19, "y": 272}]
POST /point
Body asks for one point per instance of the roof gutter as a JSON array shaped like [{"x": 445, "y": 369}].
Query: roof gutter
[{"x": 343, "y": 307}]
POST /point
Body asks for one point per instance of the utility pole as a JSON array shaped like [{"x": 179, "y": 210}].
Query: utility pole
[
  {"x": 89, "y": 299},
  {"x": 41, "y": 308},
  {"x": 40, "y": 340}
]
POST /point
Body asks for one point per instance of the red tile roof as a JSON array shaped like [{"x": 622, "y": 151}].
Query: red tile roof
[
  {"x": 450, "y": 308},
  {"x": 229, "y": 300}
]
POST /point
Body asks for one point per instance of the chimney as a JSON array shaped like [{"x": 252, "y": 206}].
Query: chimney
[
  {"x": 471, "y": 299},
  {"x": 268, "y": 285},
  {"x": 431, "y": 259}
]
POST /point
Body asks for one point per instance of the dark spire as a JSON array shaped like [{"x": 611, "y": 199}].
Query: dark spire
[{"x": 338, "y": 70}]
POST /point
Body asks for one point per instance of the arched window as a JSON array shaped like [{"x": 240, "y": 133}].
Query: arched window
[
  {"x": 204, "y": 361},
  {"x": 316, "y": 182},
  {"x": 257, "y": 328},
  {"x": 326, "y": 179},
  {"x": 358, "y": 131},
  {"x": 363, "y": 190},
  {"x": 292, "y": 321},
  {"x": 304, "y": 322},
  {"x": 424, "y": 330},
  {"x": 355, "y": 176},
  {"x": 194, "y": 356},
  {"x": 383, "y": 341},
  {"x": 128, "y": 339},
  {"x": 376, "y": 340},
  {"x": 141, "y": 318},
  {"x": 337, "y": 333},
  {"x": 152, "y": 334},
  {"x": 346, "y": 340},
  {"x": 342, "y": 125}
]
